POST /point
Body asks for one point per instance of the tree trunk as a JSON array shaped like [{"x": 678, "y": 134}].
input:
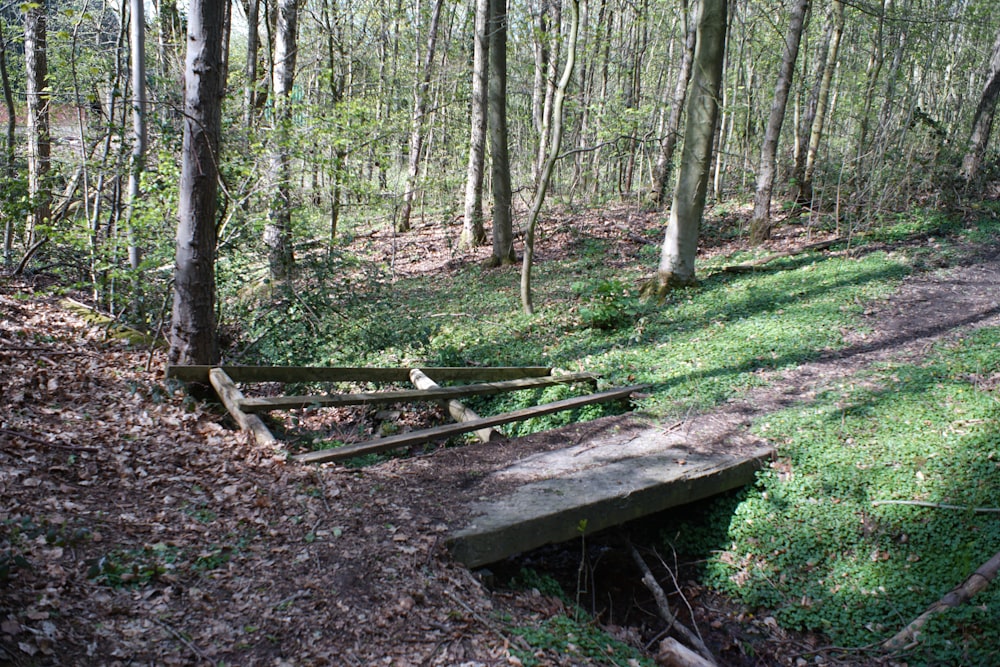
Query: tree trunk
[
  {"x": 473, "y": 233},
  {"x": 503, "y": 224},
  {"x": 982, "y": 122},
  {"x": 664, "y": 161},
  {"x": 822, "y": 103},
  {"x": 548, "y": 32},
  {"x": 278, "y": 231},
  {"x": 138, "y": 157},
  {"x": 681, "y": 242},
  {"x": 9, "y": 165},
  {"x": 192, "y": 335},
  {"x": 550, "y": 160},
  {"x": 253, "y": 47},
  {"x": 36, "y": 73},
  {"x": 417, "y": 125},
  {"x": 760, "y": 224}
]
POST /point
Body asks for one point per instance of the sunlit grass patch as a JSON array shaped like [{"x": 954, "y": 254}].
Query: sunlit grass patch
[{"x": 814, "y": 543}]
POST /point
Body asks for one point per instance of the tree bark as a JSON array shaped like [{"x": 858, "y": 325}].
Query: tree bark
[
  {"x": 547, "y": 35},
  {"x": 977, "y": 582},
  {"x": 473, "y": 233},
  {"x": 760, "y": 224},
  {"x": 545, "y": 175},
  {"x": 192, "y": 335},
  {"x": 680, "y": 245},
  {"x": 36, "y": 73},
  {"x": 417, "y": 124},
  {"x": 503, "y": 224},
  {"x": 253, "y": 47},
  {"x": 137, "y": 161},
  {"x": 278, "y": 231},
  {"x": 661, "y": 172},
  {"x": 982, "y": 122},
  {"x": 9, "y": 147},
  {"x": 822, "y": 103}
]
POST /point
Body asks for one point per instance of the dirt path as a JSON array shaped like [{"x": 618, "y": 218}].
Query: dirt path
[{"x": 135, "y": 527}]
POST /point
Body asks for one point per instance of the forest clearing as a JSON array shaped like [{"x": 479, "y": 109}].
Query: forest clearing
[{"x": 627, "y": 332}]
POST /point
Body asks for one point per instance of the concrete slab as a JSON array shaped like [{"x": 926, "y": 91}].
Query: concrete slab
[{"x": 596, "y": 485}]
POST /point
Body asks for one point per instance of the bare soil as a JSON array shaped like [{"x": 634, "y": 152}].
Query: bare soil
[{"x": 136, "y": 527}]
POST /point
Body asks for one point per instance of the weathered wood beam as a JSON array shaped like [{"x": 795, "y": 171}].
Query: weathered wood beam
[
  {"x": 448, "y": 430},
  {"x": 408, "y": 395},
  {"x": 231, "y": 396},
  {"x": 346, "y": 374},
  {"x": 458, "y": 410}
]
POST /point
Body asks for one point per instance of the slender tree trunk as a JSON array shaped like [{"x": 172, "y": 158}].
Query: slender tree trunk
[
  {"x": 420, "y": 97},
  {"x": 664, "y": 161},
  {"x": 36, "y": 73},
  {"x": 822, "y": 103},
  {"x": 278, "y": 231},
  {"x": 982, "y": 122},
  {"x": 253, "y": 49},
  {"x": 680, "y": 244},
  {"x": 473, "y": 233},
  {"x": 192, "y": 335},
  {"x": 549, "y": 31},
  {"x": 550, "y": 160},
  {"x": 760, "y": 224},
  {"x": 137, "y": 160},
  {"x": 503, "y": 224},
  {"x": 9, "y": 167}
]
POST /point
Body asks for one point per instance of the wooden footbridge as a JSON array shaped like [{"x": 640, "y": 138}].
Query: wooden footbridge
[{"x": 620, "y": 473}]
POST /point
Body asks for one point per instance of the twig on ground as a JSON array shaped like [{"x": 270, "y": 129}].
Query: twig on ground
[
  {"x": 940, "y": 506},
  {"x": 182, "y": 639},
  {"x": 976, "y": 582},
  {"x": 520, "y": 641},
  {"x": 663, "y": 605},
  {"x": 56, "y": 445}
]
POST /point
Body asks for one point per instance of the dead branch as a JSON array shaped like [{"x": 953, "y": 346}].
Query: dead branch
[
  {"x": 54, "y": 445},
  {"x": 664, "y": 607},
  {"x": 977, "y": 581},
  {"x": 941, "y": 506},
  {"x": 748, "y": 267}
]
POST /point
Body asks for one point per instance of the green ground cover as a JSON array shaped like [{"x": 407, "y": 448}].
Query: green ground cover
[{"x": 807, "y": 544}]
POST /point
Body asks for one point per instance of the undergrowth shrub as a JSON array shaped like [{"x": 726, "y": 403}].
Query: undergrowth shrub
[{"x": 337, "y": 311}]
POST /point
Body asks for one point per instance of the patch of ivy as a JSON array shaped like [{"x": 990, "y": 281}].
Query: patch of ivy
[{"x": 816, "y": 542}]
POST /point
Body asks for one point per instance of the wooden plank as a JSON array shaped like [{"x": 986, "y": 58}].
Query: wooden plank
[
  {"x": 348, "y": 374},
  {"x": 458, "y": 410},
  {"x": 408, "y": 395},
  {"x": 231, "y": 396},
  {"x": 415, "y": 437}
]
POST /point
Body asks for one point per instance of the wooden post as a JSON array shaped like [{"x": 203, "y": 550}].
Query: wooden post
[
  {"x": 458, "y": 411},
  {"x": 231, "y": 396}
]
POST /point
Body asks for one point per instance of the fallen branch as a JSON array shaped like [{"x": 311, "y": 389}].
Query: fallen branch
[
  {"x": 664, "y": 607},
  {"x": 940, "y": 506},
  {"x": 55, "y": 445},
  {"x": 979, "y": 580},
  {"x": 753, "y": 265}
]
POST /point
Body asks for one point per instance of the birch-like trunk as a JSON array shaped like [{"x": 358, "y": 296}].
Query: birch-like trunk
[
  {"x": 36, "y": 72},
  {"x": 680, "y": 244},
  {"x": 982, "y": 122},
  {"x": 664, "y": 161},
  {"x": 760, "y": 224},
  {"x": 473, "y": 233},
  {"x": 278, "y": 231},
  {"x": 420, "y": 96}
]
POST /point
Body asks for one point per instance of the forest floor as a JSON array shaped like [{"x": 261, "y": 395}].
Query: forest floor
[{"x": 137, "y": 528}]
